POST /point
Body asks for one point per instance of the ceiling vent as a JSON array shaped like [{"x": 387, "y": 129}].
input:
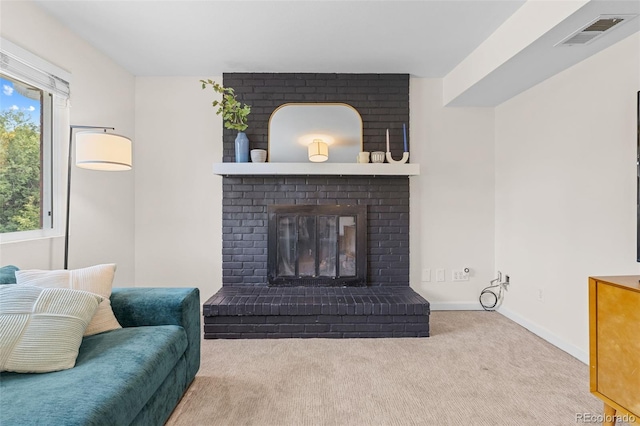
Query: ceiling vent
[{"x": 594, "y": 29}]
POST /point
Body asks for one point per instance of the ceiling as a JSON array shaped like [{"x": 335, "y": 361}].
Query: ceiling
[
  {"x": 423, "y": 38},
  {"x": 156, "y": 38}
]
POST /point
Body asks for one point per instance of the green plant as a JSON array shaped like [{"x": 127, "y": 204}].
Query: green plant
[{"x": 234, "y": 113}]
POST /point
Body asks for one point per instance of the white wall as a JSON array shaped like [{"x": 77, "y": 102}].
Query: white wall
[
  {"x": 566, "y": 191},
  {"x": 452, "y": 201},
  {"x": 102, "y": 94},
  {"x": 178, "y": 230}
]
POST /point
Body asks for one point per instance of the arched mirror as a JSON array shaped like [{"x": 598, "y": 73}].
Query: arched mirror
[{"x": 293, "y": 127}]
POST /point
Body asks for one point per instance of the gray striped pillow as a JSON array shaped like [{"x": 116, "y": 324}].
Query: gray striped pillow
[{"x": 41, "y": 328}]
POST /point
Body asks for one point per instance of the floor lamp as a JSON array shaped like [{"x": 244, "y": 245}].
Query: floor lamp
[{"x": 96, "y": 150}]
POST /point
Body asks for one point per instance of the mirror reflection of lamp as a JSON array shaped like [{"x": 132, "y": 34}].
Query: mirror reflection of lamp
[{"x": 318, "y": 151}]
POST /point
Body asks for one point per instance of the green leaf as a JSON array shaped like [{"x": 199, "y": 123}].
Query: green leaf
[{"x": 234, "y": 113}]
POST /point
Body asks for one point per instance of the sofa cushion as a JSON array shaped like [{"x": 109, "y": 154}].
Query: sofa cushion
[
  {"x": 96, "y": 279},
  {"x": 8, "y": 274},
  {"x": 41, "y": 328},
  {"x": 116, "y": 373}
]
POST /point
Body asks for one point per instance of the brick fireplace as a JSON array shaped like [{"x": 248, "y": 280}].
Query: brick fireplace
[{"x": 247, "y": 306}]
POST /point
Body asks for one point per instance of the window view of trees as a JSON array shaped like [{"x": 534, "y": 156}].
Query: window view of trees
[{"x": 20, "y": 161}]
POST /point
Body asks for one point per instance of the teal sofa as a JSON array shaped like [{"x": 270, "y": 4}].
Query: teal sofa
[{"x": 131, "y": 376}]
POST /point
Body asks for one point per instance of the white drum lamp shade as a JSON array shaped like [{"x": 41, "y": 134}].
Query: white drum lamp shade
[
  {"x": 103, "y": 151},
  {"x": 318, "y": 151}
]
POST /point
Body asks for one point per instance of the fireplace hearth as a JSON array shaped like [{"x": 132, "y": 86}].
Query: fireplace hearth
[{"x": 307, "y": 312}]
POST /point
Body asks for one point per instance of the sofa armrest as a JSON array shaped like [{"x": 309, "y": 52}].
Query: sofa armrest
[{"x": 144, "y": 306}]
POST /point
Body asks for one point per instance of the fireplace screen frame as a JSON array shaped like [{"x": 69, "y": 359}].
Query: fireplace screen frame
[{"x": 276, "y": 212}]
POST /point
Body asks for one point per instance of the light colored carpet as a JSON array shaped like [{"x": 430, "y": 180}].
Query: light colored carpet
[{"x": 477, "y": 368}]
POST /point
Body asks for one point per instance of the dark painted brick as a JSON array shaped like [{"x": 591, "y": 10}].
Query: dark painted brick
[
  {"x": 222, "y": 336},
  {"x": 342, "y": 327},
  {"x": 404, "y": 334},
  {"x": 279, "y": 335},
  {"x": 267, "y": 328},
  {"x": 368, "y": 327},
  {"x": 291, "y": 328},
  {"x": 215, "y": 328},
  {"x": 316, "y": 328},
  {"x": 417, "y": 326},
  {"x": 240, "y": 328},
  {"x": 380, "y": 319},
  {"x": 254, "y": 335},
  {"x": 360, "y": 335},
  {"x": 304, "y": 335},
  {"x": 329, "y": 319},
  {"x": 252, "y": 319},
  {"x": 392, "y": 327}
]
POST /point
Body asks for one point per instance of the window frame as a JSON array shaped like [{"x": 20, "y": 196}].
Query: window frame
[{"x": 55, "y": 109}]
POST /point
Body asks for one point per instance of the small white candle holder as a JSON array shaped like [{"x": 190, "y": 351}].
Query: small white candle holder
[{"x": 404, "y": 159}]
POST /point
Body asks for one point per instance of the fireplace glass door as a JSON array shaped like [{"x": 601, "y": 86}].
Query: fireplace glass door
[{"x": 317, "y": 245}]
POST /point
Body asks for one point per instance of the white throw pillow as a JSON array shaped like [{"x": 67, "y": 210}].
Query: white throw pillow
[
  {"x": 95, "y": 279},
  {"x": 41, "y": 328}
]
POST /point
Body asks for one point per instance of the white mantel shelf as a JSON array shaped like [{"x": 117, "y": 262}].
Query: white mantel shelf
[{"x": 339, "y": 169}]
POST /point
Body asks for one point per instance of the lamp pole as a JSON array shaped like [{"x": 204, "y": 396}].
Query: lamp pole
[{"x": 66, "y": 232}]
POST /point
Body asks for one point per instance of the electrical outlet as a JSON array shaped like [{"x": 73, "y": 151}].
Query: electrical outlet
[
  {"x": 459, "y": 275},
  {"x": 540, "y": 295},
  {"x": 440, "y": 275},
  {"x": 426, "y": 275}
]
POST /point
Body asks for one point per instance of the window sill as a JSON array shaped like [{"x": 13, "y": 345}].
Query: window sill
[{"x": 24, "y": 236}]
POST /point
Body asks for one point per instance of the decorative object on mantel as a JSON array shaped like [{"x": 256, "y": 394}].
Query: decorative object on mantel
[
  {"x": 234, "y": 115},
  {"x": 377, "y": 157},
  {"x": 405, "y": 154},
  {"x": 318, "y": 151},
  {"x": 242, "y": 148},
  {"x": 405, "y": 157},
  {"x": 258, "y": 155},
  {"x": 363, "y": 157}
]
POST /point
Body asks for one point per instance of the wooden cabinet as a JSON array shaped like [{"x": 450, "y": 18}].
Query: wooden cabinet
[{"x": 614, "y": 345}]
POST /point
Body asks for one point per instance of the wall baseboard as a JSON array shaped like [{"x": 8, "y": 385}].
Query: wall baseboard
[
  {"x": 455, "y": 306},
  {"x": 545, "y": 334}
]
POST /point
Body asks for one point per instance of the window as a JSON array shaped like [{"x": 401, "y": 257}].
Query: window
[
  {"x": 25, "y": 150},
  {"x": 33, "y": 117}
]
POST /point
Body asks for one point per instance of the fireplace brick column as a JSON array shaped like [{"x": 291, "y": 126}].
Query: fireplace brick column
[
  {"x": 383, "y": 103},
  {"x": 246, "y": 307}
]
